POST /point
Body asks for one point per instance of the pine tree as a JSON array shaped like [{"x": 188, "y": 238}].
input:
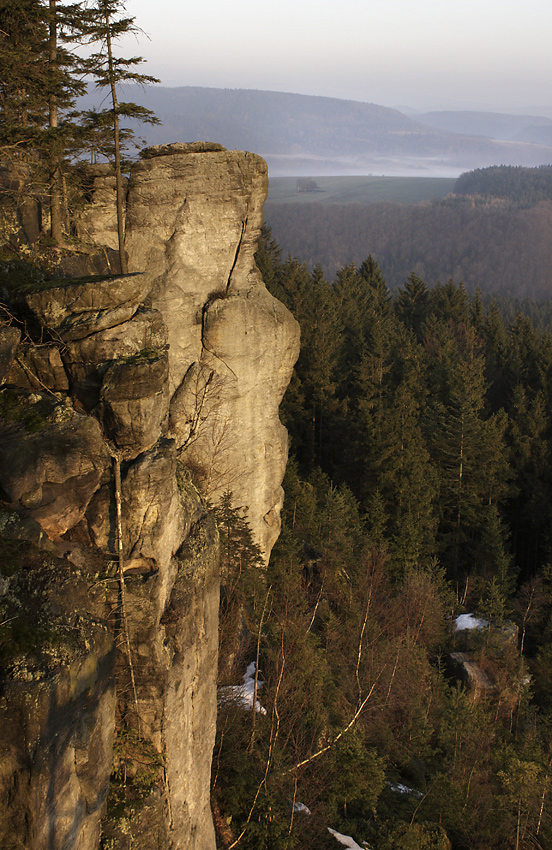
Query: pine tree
[
  {"x": 466, "y": 442},
  {"x": 529, "y": 437},
  {"x": 449, "y": 302},
  {"x": 242, "y": 575},
  {"x": 412, "y": 303},
  {"x": 309, "y": 406},
  {"x": 23, "y": 67},
  {"x": 41, "y": 78},
  {"x": 105, "y": 25},
  {"x": 369, "y": 331}
]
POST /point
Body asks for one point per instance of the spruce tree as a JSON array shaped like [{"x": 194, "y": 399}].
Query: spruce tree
[
  {"x": 466, "y": 443},
  {"x": 106, "y": 24},
  {"x": 23, "y": 36},
  {"x": 40, "y": 79},
  {"x": 412, "y": 303}
]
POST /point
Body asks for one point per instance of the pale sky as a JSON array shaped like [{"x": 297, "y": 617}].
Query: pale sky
[{"x": 430, "y": 54}]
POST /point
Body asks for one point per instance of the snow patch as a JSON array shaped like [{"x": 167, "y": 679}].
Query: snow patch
[
  {"x": 243, "y": 695},
  {"x": 404, "y": 789},
  {"x": 300, "y": 808},
  {"x": 469, "y": 621},
  {"x": 346, "y": 840}
]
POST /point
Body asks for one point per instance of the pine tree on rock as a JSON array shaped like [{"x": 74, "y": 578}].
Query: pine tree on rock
[
  {"x": 106, "y": 23},
  {"x": 41, "y": 79}
]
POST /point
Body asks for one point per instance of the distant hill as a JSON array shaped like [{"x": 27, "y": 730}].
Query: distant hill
[
  {"x": 535, "y": 129},
  {"x": 305, "y": 135}
]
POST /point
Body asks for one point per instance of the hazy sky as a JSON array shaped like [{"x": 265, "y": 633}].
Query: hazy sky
[{"x": 480, "y": 54}]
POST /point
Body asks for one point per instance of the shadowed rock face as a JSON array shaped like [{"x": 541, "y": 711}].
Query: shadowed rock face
[
  {"x": 57, "y": 707},
  {"x": 97, "y": 222},
  {"x": 52, "y": 459},
  {"x": 180, "y": 365},
  {"x": 193, "y": 222}
]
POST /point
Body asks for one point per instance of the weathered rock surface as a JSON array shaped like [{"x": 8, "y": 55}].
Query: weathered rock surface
[
  {"x": 51, "y": 459},
  {"x": 191, "y": 624},
  {"x": 75, "y": 310},
  {"x": 38, "y": 367},
  {"x": 9, "y": 340},
  {"x": 155, "y": 518},
  {"x": 193, "y": 223},
  {"x": 97, "y": 222},
  {"x": 88, "y": 359},
  {"x": 135, "y": 402},
  {"x": 172, "y": 604},
  {"x": 181, "y": 365},
  {"x": 181, "y": 147},
  {"x": 252, "y": 345},
  {"x": 463, "y": 668},
  {"x": 57, "y": 707}
]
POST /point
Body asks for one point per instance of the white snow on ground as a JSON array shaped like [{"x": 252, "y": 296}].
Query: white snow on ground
[
  {"x": 468, "y": 621},
  {"x": 243, "y": 694},
  {"x": 300, "y": 808},
  {"x": 346, "y": 840},
  {"x": 404, "y": 789}
]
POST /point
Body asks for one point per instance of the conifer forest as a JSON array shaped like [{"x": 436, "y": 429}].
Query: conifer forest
[{"x": 418, "y": 490}]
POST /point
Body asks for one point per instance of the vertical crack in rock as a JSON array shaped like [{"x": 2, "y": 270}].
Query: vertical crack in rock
[{"x": 236, "y": 255}]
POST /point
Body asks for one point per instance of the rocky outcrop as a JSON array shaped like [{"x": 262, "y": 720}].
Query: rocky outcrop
[
  {"x": 38, "y": 367},
  {"x": 75, "y": 310},
  {"x": 193, "y": 221},
  {"x": 57, "y": 452},
  {"x": 87, "y": 359},
  {"x": 462, "y": 667},
  {"x": 97, "y": 221},
  {"x": 486, "y": 653},
  {"x": 52, "y": 459},
  {"x": 131, "y": 389}
]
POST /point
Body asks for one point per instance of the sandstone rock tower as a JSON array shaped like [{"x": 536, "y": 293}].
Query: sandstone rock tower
[{"x": 169, "y": 377}]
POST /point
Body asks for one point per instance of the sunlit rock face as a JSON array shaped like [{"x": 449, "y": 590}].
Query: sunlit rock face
[
  {"x": 193, "y": 220},
  {"x": 168, "y": 376},
  {"x": 97, "y": 222}
]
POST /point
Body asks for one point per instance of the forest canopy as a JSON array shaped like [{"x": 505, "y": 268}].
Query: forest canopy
[{"x": 418, "y": 490}]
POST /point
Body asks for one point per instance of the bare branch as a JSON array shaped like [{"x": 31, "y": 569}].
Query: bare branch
[{"x": 338, "y": 737}]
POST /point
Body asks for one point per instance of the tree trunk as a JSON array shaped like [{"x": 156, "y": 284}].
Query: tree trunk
[
  {"x": 56, "y": 229},
  {"x": 118, "y": 173}
]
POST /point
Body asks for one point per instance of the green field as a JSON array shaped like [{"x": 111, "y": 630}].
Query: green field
[{"x": 360, "y": 190}]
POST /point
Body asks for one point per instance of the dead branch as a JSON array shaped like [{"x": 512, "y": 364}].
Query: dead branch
[
  {"x": 118, "y": 509},
  {"x": 338, "y": 737},
  {"x": 259, "y": 634}
]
